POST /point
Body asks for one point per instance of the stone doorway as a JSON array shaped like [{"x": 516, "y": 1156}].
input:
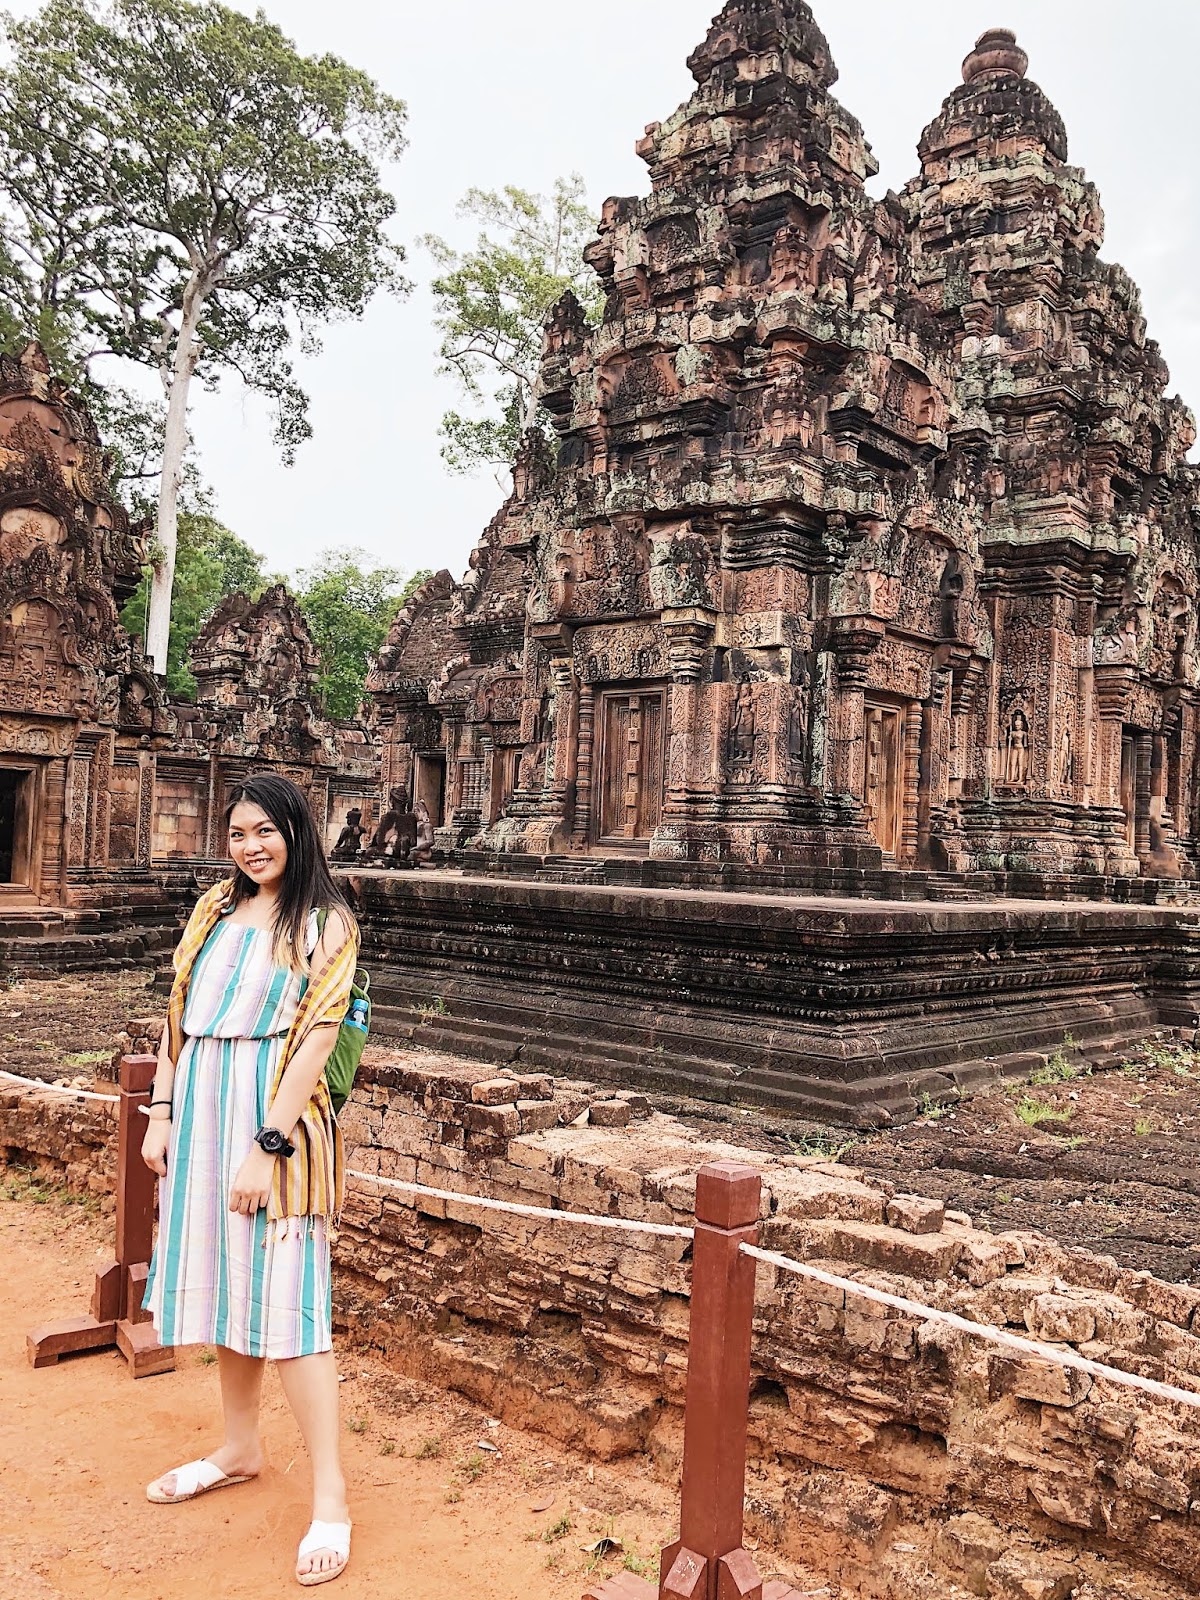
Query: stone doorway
[
  {"x": 632, "y": 727},
  {"x": 429, "y": 784},
  {"x": 888, "y": 765},
  {"x": 15, "y": 807}
]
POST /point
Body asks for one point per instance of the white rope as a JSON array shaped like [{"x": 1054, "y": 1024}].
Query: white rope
[
  {"x": 58, "y": 1088},
  {"x": 664, "y": 1230},
  {"x": 979, "y": 1330}
]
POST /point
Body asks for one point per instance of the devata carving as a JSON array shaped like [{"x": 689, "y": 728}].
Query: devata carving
[{"x": 869, "y": 537}]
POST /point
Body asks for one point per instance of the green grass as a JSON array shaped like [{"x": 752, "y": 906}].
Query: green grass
[
  {"x": 26, "y": 1185},
  {"x": 388, "y": 1448},
  {"x": 932, "y": 1110},
  {"x": 825, "y": 1146},
  {"x": 557, "y": 1530},
  {"x": 436, "y": 1007},
  {"x": 1057, "y": 1068},
  {"x": 429, "y": 1449},
  {"x": 87, "y": 1058},
  {"x": 1144, "y": 1126},
  {"x": 1033, "y": 1112},
  {"x": 357, "y": 1424},
  {"x": 472, "y": 1467}
]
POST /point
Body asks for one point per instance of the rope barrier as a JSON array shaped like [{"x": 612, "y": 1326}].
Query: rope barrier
[
  {"x": 58, "y": 1088},
  {"x": 664, "y": 1230},
  {"x": 1055, "y": 1354},
  {"x": 981, "y": 1330}
]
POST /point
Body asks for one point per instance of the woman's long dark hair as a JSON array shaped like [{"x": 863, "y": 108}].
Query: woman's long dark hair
[{"x": 307, "y": 880}]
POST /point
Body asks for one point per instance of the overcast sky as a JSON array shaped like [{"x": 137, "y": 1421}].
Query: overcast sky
[{"x": 520, "y": 91}]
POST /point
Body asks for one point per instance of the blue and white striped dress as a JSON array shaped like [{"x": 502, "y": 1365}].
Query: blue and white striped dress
[{"x": 219, "y": 1277}]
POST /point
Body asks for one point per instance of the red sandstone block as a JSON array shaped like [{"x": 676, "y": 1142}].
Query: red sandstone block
[
  {"x": 493, "y": 1092},
  {"x": 610, "y": 1114},
  {"x": 1031, "y": 1379},
  {"x": 912, "y": 1213},
  {"x": 493, "y": 1117},
  {"x": 537, "y": 1115},
  {"x": 535, "y": 1086},
  {"x": 1056, "y": 1318},
  {"x": 930, "y": 1257}
]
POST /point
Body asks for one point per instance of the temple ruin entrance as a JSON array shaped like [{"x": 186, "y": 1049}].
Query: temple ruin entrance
[
  {"x": 887, "y": 760},
  {"x": 15, "y": 801},
  {"x": 429, "y": 784},
  {"x": 630, "y": 769}
]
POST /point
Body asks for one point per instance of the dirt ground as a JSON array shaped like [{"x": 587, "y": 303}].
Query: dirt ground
[
  {"x": 436, "y": 1511},
  {"x": 1104, "y": 1161}
]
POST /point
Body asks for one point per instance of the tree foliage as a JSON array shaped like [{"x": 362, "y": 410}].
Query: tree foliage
[
  {"x": 492, "y": 302},
  {"x": 212, "y": 562},
  {"x": 349, "y": 605},
  {"x": 183, "y": 189}
]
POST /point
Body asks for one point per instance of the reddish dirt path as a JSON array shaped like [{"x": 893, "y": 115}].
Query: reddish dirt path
[{"x": 79, "y": 1441}]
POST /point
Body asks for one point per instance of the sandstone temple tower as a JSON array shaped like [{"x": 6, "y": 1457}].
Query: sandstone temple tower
[{"x": 866, "y": 537}]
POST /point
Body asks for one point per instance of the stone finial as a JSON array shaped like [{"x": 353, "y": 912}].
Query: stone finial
[{"x": 996, "y": 55}]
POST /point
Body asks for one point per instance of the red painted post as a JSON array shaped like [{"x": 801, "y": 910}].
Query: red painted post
[
  {"x": 117, "y": 1316},
  {"x": 708, "y": 1561}
]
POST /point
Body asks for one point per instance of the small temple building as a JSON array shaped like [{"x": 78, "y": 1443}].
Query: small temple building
[
  {"x": 107, "y": 784},
  {"x": 866, "y": 536}
]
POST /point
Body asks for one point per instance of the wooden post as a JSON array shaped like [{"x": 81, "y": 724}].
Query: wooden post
[
  {"x": 708, "y": 1560},
  {"x": 117, "y": 1317}
]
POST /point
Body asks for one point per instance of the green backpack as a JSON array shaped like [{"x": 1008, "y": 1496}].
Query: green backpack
[{"x": 352, "y": 1035}]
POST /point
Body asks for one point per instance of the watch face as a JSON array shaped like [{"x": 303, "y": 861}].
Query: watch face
[{"x": 271, "y": 1140}]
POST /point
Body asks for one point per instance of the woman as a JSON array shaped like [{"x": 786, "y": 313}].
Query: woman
[{"x": 243, "y": 1137}]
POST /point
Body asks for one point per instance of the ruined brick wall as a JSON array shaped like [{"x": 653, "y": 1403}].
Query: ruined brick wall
[
  {"x": 901, "y": 1453},
  {"x": 64, "y": 1141},
  {"x": 907, "y": 1459}
]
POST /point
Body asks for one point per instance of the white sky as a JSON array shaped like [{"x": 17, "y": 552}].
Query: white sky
[{"x": 520, "y": 91}]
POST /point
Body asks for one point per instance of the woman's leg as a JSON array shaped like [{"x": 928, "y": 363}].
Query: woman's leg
[
  {"x": 311, "y": 1386},
  {"x": 241, "y": 1455}
]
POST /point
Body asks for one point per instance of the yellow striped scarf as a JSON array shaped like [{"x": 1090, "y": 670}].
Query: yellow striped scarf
[{"x": 312, "y": 1181}]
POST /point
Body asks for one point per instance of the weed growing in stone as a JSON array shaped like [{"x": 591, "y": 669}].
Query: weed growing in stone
[
  {"x": 1143, "y": 1126},
  {"x": 931, "y": 1109},
  {"x": 472, "y": 1467},
  {"x": 436, "y": 1007},
  {"x": 1057, "y": 1068},
  {"x": 825, "y": 1146},
  {"x": 1033, "y": 1112}
]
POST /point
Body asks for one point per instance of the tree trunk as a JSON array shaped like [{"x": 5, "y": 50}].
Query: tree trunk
[{"x": 183, "y": 365}]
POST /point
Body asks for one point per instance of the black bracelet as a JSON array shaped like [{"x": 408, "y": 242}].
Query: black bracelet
[{"x": 154, "y": 1103}]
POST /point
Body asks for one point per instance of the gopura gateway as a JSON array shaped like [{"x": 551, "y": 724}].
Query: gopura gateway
[{"x": 866, "y": 538}]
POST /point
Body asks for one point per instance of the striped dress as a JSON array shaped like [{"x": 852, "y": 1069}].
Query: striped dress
[{"x": 218, "y": 1277}]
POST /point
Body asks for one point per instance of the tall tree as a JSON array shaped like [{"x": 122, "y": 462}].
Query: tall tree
[
  {"x": 491, "y": 304},
  {"x": 349, "y": 606},
  {"x": 211, "y": 562},
  {"x": 186, "y": 190}
]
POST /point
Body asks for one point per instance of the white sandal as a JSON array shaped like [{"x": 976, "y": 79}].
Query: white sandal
[
  {"x": 192, "y": 1479},
  {"x": 334, "y": 1536}
]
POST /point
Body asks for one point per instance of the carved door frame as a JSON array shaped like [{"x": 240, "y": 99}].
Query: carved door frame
[
  {"x": 897, "y": 721},
  {"x": 27, "y": 808},
  {"x": 599, "y": 757}
]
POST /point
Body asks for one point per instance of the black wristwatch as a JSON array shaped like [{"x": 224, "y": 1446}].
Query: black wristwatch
[{"x": 274, "y": 1143}]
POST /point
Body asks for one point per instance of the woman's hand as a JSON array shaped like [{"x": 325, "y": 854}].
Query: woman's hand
[
  {"x": 154, "y": 1145},
  {"x": 252, "y": 1186}
]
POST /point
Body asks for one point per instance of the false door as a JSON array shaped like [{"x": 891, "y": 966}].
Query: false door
[
  {"x": 631, "y": 765},
  {"x": 883, "y": 773}
]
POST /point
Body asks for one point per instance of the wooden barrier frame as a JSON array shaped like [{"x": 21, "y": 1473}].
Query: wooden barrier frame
[
  {"x": 117, "y": 1317},
  {"x": 708, "y": 1561}
]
